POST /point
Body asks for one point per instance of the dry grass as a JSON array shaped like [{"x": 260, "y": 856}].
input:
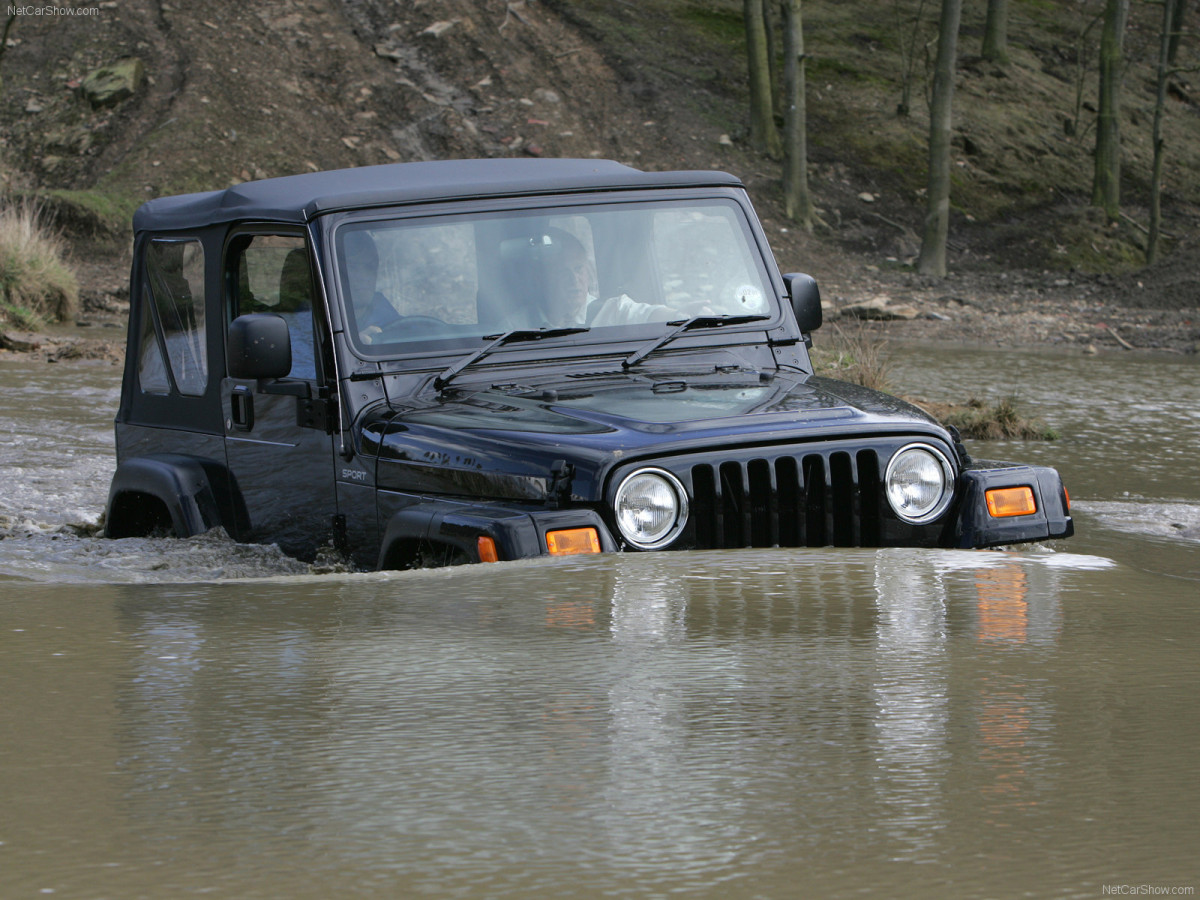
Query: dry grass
[
  {"x": 35, "y": 282},
  {"x": 854, "y": 356}
]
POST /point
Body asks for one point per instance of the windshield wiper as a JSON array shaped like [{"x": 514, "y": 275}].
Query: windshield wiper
[
  {"x": 687, "y": 325},
  {"x": 497, "y": 341}
]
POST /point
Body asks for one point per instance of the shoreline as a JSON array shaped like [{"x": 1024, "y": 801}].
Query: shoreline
[
  {"x": 104, "y": 338},
  {"x": 1014, "y": 310}
]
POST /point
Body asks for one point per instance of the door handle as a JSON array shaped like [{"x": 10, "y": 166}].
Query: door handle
[{"x": 241, "y": 413}]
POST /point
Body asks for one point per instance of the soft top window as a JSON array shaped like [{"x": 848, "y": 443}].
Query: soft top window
[
  {"x": 618, "y": 269},
  {"x": 174, "y": 273}
]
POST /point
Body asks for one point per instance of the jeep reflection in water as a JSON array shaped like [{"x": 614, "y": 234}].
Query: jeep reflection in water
[{"x": 447, "y": 362}]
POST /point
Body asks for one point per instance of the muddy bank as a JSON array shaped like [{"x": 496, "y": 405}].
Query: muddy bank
[
  {"x": 65, "y": 345},
  {"x": 1090, "y": 313},
  {"x": 939, "y": 315}
]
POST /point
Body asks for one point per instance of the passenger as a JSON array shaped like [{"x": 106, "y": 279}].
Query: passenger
[{"x": 568, "y": 300}]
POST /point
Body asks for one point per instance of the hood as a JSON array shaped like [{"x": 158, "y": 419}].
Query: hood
[{"x": 493, "y": 443}]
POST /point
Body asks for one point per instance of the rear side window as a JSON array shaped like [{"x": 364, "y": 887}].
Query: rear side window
[{"x": 173, "y": 340}]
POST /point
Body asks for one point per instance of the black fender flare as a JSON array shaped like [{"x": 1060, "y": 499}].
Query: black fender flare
[
  {"x": 517, "y": 532},
  {"x": 198, "y": 494}
]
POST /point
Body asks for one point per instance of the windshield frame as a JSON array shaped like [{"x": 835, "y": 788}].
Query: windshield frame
[{"x": 599, "y": 340}]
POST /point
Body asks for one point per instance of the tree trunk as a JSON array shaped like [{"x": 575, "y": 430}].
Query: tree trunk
[
  {"x": 1106, "y": 181},
  {"x": 932, "y": 260},
  {"x": 1178, "y": 11},
  {"x": 772, "y": 39},
  {"x": 764, "y": 137},
  {"x": 995, "y": 32},
  {"x": 8, "y": 24},
  {"x": 908, "y": 55},
  {"x": 1160, "y": 103},
  {"x": 797, "y": 201}
]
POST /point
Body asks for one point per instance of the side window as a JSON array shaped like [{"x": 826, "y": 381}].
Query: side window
[
  {"x": 269, "y": 273},
  {"x": 175, "y": 281}
]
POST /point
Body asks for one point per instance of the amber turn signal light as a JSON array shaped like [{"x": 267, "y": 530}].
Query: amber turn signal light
[
  {"x": 572, "y": 540},
  {"x": 487, "y": 549},
  {"x": 1013, "y": 501}
]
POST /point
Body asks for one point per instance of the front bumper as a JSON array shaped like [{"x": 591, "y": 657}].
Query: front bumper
[
  {"x": 976, "y": 527},
  {"x": 809, "y": 504}
]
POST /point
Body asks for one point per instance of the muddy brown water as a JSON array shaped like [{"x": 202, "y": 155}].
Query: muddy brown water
[{"x": 196, "y": 718}]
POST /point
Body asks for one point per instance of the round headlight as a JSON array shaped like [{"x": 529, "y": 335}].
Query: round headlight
[
  {"x": 651, "y": 507},
  {"x": 919, "y": 483}
]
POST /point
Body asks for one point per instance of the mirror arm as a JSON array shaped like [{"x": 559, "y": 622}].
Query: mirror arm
[{"x": 281, "y": 388}]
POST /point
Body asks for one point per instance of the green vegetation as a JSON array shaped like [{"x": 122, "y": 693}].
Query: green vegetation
[
  {"x": 96, "y": 213},
  {"x": 726, "y": 25},
  {"x": 35, "y": 282},
  {"x": 994, "y": 422}
]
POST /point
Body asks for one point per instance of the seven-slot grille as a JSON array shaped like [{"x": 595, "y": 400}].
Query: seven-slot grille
[{"x": 801, "y": 499}]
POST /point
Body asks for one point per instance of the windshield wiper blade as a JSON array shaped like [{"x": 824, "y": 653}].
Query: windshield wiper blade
[
  {"x": 687, "y": 325},
  {"x": 495, "y": 341}
]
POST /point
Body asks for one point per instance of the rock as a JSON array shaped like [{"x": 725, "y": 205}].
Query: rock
[
  {"x": 437, "y": 29},
  {"x": 867, "y": 197},
  {"x": 114, "y": 83},
  {"x": 880, "y": 309},
  {"x": 19, "y": 342}
]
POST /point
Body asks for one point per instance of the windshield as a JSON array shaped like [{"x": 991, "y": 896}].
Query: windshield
[{"x": 619, "y": 269}]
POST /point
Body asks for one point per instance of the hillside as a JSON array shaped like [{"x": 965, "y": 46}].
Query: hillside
[{"x": 241, "y": 91}]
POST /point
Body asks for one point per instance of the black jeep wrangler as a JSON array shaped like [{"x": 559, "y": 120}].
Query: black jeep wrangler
[{"x": 446, "y": 362}]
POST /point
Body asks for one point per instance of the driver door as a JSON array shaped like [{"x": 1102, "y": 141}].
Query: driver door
[{"x": 277, "y": 441}]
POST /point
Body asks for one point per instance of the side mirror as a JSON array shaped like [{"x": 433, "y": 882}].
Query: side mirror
[
  {"x": 259, "y": 346},
  {"x": 806, "y": 300}
]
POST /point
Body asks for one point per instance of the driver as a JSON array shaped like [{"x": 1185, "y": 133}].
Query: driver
[
  {"x": 568, "y": 301},
  {"x": 373, "y": 312}
]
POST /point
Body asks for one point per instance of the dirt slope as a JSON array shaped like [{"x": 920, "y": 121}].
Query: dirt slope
[{"x": 237, "y": 91}]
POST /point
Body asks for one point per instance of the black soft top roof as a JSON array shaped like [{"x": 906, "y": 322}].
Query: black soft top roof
[{"x": 298, "y": 198}]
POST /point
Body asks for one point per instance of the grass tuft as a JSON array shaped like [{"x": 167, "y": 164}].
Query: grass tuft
[
  {"x": 35, "y": 282},
  {"x": 854, "y": 356},
  {"x": 1000, "y": 421}
]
